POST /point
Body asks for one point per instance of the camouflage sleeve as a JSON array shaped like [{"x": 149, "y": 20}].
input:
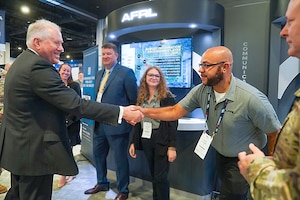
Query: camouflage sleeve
[
  {"x": 279, "y": 177},
  {"x": 268, "y": 182}
]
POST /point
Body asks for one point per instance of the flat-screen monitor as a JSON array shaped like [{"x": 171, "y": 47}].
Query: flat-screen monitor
[{"x": 173, "y": 56}]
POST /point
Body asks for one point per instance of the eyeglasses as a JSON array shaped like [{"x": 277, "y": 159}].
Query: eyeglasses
[
  {"x": 207, "y": 65},
  {"x": 153, "y": 75}
]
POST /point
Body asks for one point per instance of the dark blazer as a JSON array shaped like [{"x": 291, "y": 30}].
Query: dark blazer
[
  {"x": 120, "y": 89},
  {"x": 167, "y": 131},
  {"x": 33, "y": 136},
  {"x": 70, "y": 118},
  {"x": 73, "y": 121}
]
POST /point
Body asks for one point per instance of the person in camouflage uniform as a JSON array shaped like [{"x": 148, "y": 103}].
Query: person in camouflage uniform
[{"x": 278, "y": 177}]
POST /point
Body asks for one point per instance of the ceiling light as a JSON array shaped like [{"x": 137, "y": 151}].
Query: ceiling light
[{"x": 25, "y": 9}]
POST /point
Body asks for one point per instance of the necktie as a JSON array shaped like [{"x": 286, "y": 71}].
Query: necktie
[{"x": 103, "y": 82}]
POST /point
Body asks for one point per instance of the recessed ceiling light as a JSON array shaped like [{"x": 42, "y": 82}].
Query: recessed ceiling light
[{"x": 25, "y": 9}]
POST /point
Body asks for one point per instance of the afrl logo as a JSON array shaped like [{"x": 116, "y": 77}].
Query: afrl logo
[{"x": 138, "y": 14}]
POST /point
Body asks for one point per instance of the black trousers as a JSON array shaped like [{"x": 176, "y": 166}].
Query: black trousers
[
  {"x": 30, "y": 187},
  {"x": 233, "y": 186},
  {"x": 159, "y": 168}
]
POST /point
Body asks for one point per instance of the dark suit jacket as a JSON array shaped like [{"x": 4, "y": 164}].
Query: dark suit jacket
[
  {"x": 120, "y": 89},
  {"x": 33, "y": 136}
]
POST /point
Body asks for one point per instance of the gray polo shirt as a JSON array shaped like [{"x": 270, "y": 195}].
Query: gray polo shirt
[{"x": 248, "y": 116}]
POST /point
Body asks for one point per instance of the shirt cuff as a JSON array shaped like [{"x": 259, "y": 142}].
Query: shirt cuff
[{"x": 120, "y": 114}]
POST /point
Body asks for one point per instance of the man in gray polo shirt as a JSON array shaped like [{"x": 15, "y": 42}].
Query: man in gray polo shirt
[{"x": 236, "y": 114}]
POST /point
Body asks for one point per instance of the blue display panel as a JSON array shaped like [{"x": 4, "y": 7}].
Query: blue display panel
[{"x": 173, "y": 56}]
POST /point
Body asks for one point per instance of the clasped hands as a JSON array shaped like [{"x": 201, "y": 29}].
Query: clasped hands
[{"x": 133, "y": 114}]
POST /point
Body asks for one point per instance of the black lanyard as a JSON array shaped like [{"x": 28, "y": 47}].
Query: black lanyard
[{"x": 221, "y": 114}]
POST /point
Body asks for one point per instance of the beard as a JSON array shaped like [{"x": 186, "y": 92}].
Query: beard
[{"x": 216, "y": 79}]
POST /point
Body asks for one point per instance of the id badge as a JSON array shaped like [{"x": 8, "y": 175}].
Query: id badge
[
  {"x": 147, "y": 130},
  {"x": 203, "y": 145},
  {"x": 99, "y": 97}
]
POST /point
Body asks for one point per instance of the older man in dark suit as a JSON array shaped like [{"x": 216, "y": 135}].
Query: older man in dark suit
[
  {"x": 33, "y": 139},
  {"x": 115, "y": 84}
]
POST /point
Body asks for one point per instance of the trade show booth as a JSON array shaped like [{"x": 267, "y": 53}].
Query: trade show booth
[{"x": 171, "y": 34}]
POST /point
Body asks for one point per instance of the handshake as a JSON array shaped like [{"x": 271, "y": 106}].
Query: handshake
[{"x": 133, "y": 114}]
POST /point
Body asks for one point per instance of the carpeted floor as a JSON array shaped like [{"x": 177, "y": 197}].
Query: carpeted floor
[{"x": 74, "y": 190}]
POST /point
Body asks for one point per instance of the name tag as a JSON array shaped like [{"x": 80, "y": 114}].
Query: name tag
[
  {"x": 99, "y": 97},
  {"x": 147, "y": 130},
  {"x": 203, "y": 145}
]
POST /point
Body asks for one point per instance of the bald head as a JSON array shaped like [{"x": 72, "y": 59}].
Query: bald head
[
  {"x": 218, "y": 54},
  {"x": 216, "y": 68}
]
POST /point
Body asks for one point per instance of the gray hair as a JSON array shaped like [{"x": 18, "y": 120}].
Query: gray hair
[{"x": 40, "y": 29}]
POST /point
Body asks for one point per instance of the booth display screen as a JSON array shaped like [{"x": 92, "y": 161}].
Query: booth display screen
[{"x": 173, "y": 56}]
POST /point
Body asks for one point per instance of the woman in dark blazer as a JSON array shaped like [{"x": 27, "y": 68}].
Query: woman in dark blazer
[
  {"x": 72, "y": 121},
  {"x": 156, "y": 138}
]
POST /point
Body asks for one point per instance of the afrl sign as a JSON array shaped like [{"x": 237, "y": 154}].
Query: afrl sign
[{"x": 138, "y": 14}]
